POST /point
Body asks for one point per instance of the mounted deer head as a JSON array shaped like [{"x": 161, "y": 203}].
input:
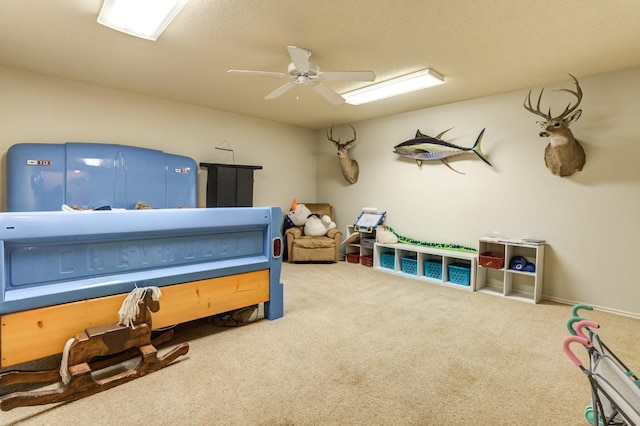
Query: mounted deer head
[
  {"x": 349, "y": 167},
  {"x": 563, "y": 155}
]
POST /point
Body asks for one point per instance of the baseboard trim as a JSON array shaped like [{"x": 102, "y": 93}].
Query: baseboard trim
[{"x": 600, "y": 308}]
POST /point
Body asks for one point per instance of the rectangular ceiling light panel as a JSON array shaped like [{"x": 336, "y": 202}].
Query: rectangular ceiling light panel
[
  {"x": 140, "y": 18},
  {"x": 398, "y": 86}
]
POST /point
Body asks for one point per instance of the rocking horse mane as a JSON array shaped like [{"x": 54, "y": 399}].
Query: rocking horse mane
[{"x": 130, "y": 313}]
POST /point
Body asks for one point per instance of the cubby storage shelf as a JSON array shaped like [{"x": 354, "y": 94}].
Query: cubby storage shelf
[
  {"x": 415, "y": 257},
  {"x": 360, "y": 251},
  {"x": 508, "y": 282}
]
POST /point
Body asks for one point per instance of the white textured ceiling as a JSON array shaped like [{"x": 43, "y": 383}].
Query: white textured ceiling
[{"x": 483, "y": 47}]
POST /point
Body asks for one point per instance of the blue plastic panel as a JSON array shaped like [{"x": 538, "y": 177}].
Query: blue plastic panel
[
  {"x": 42, "y": 177},
  {"x": 79, "y": 260},
  {"x": 48, "y": 258}
]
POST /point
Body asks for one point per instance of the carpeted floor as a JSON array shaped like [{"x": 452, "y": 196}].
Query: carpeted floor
[{"x": 363, "y": 347}]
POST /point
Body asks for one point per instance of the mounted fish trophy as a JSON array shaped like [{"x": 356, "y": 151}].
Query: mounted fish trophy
[
  {"x": 349, "y": 167},
  {"x": 426, "y": 148},
  {"x": 563, "y": 155}
]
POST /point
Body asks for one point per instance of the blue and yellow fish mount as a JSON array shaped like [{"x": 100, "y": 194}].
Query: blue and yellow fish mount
[{"x": 427, "y": 148}]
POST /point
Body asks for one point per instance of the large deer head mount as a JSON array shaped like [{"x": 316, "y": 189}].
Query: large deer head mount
[
  {"x": 563, "y": 155},
  {"x": 349, "y": 167}
]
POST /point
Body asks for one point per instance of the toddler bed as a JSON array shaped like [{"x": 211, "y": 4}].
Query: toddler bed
[{"x": 64, "y": 271}]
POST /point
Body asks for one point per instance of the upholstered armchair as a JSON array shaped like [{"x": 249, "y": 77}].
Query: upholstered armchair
[{"x": 305, "y": 248}]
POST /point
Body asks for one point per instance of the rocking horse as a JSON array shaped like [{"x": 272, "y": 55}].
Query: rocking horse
[{"x": 111, "y": 344}]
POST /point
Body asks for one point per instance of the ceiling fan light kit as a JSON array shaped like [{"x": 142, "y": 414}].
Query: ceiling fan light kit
[
  {"x": 397, "y": 86},
  {"x": 140, "y": 18},
  {"x": 304, "y": 73}
]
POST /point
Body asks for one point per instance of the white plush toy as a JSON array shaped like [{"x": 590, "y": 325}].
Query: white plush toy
[
  {"x": 318, "y": 227},
  {"x": 314, "y": 224},
  {"x": 385, "y": 237},
  {"x": 299, "y": 213}
]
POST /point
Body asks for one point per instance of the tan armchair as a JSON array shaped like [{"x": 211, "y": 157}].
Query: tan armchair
[{"x": 304, "y": 248}]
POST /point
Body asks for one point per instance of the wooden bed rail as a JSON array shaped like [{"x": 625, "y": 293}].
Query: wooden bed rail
[{"x": 41, "y": 332}]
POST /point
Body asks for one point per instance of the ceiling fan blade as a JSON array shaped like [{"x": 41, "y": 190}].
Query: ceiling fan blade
[
  {"x": 299, "y": 57},
  {"x": 262, "y": 73},
  {"x": 328, "y": 93},
  {"x": 348, "y": 75},
  {"x": 280, "y": 90}
]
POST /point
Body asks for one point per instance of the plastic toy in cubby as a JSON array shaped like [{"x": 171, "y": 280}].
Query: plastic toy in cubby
[{"x": 520, "y": 263}]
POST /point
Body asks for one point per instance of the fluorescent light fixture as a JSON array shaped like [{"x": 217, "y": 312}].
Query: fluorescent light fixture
[
  {"x": 140, "y": 18},
  {"x": 397, "y": 86}
]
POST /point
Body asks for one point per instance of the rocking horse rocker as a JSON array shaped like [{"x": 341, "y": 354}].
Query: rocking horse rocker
[{"x": 112, "y": 344}]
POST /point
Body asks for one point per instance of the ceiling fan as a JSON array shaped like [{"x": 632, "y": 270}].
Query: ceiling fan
[{"x": 305, "y": 73}]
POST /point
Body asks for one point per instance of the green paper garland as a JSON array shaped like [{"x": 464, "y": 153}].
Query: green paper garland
[{"x": 443, "y": 246}]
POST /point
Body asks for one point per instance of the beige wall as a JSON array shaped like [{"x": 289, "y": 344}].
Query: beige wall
[
  {"x": 36, "y": 108},
  {"x": 590, "y": 220}
]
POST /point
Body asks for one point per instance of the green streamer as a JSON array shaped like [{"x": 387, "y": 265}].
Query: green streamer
[{"x": 443, "y": 246}]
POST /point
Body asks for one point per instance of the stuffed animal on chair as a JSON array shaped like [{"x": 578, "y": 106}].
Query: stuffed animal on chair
[
  {"x": 314, "y": 225},
  {"x": 298, "y": 214},
  {"x": 318, "y": 226},
  {"x": 317, "y": 240}
]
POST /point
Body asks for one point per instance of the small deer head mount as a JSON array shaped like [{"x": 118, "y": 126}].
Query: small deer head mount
[
  {"x": 349, "y": 167},
  {"x": 563, "y": 155}
]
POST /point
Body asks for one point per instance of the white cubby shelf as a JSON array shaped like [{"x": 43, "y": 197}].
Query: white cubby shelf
[
  {"x": 462, "y": 265},
  {"x": 508, "y": 282}
]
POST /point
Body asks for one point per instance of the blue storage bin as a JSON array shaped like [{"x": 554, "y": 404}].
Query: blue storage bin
[
  {"x": 433, "y": 269},
  {"x": 409, "y": 265},
  {"x": 459, "y": 274},
  {"x": 387, "y": 260}
]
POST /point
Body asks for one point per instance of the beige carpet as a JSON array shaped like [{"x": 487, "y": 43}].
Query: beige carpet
[{"x": 362, "y": 347}]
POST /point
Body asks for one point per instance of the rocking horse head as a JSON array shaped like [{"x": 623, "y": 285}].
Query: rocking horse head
[{"x": 138, "y": 305}]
